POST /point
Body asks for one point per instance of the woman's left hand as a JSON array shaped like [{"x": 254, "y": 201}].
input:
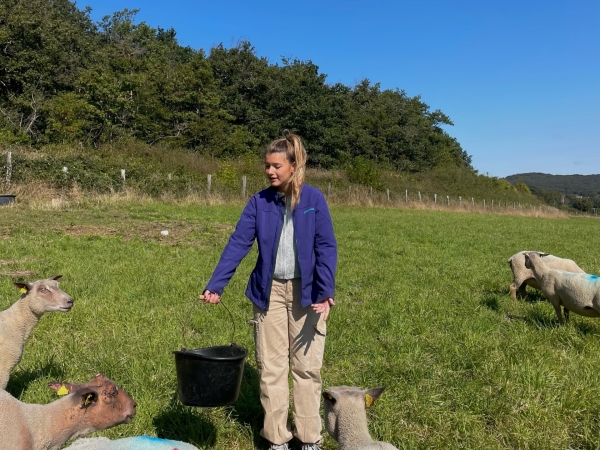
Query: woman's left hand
[{"x": 323, "y": 307}]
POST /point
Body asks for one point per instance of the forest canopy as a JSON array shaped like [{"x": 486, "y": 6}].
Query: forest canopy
[{"x": 67, "y": 79}]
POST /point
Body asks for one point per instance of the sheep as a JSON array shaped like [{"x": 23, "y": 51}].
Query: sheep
[
  {"x": 18, "y": 321},
  {"x": 85, "y": 408},
  {"x": 346, "y": 417},
  {"x": 577, "y": 292},
  {"x": 130, "y": 443},
  {"x": 522, "y": 276}
]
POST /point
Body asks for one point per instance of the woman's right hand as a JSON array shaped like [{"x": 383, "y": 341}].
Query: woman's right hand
[{"x": 210, "y": 297}]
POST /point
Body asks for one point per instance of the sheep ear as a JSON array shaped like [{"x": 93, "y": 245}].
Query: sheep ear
[
  {"x": 88, "y": 397},
  {"x": 24, "y": 287},
  {"x": 373, "y": 394},
  {"x": 62, "y": 388},
  {"x": 330, "y": 396},
  {"x": 56, "y": 277}
]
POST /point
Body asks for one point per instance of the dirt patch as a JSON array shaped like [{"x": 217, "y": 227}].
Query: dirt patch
[
  {"x": 19, "y": 274},
  {"x": 90, "y": 230}
]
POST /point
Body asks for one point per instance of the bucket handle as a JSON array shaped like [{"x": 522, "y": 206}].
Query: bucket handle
[{"x": 185, "y": 324}]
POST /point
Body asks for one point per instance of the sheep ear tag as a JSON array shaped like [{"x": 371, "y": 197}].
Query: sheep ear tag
[
  {"x": 369, "y": 400},
  {"x": 23, "y": 291},
  {"x": 63, "y": 390}
]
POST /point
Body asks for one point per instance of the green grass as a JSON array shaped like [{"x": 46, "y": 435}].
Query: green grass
[{"x": 422, "y": 308}]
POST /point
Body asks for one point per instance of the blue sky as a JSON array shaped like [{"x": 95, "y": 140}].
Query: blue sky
[{"x": 519, "y": 79}]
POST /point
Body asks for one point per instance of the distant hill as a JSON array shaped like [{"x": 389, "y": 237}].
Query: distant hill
[{"x": 584, "y": 185}]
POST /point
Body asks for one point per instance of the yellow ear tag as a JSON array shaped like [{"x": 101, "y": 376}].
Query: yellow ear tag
[
  {"x": 63, "y": 390},
  {"x": 23, "y": 291},
  {"x": 369, "y": 400}
]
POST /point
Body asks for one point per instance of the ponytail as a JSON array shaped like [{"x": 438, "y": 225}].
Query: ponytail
[{"x": 295, "y": 153}]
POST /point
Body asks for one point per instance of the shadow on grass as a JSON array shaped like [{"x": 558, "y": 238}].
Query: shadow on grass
[
  {"x": 248, "y": 410},
  {"x": 19, "y": 381},
  {"x": 491, "y": 298},
  {"x": 534, "y": 296},
  {"x": 540, "y": 319},
  {"x": 180, "y": 423}
]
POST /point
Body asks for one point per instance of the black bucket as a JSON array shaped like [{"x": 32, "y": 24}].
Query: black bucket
[
  {"x": 210, "y": 376},
  {"x": 5, "y": 199}
]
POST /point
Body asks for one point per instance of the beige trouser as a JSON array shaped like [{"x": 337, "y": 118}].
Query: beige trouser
[{"x": 288, "y": 334}]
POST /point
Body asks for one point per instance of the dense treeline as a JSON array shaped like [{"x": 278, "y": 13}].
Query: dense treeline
[{"x": 66, "y": 79}]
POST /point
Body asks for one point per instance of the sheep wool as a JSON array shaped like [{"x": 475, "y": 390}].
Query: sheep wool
[
  {"x": 523, "y": 277},
  {"x": 88, "y": 407},
  {"x": 18, "y": 321},
  {"x": 576, "y": 292},
  {"x": 130, "y": 443}
]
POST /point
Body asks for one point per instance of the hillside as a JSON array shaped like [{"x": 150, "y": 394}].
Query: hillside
[{"x": 584, "y": 185}]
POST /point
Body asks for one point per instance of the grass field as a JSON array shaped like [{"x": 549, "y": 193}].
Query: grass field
[{"x": 422, "y": 308}]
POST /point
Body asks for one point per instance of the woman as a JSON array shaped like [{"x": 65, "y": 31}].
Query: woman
[{"x": 291, "y": 287}]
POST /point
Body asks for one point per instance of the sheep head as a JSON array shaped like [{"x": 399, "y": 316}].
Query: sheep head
[
  {"x": 346, "y": 401},
  {"x": 46, "y": 296},
  {"x": 100, "y": 402}
]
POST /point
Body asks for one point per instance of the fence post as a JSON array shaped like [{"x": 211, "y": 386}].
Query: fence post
[
  {"x": 484, "y": 203},
  {"x": 371, "y": 191},
  {"x": 406, "y": 195},
  {"x": 387, "y": 191},
  {"x": 435, "y": 198},
  {"x": 169, "y": 176},
  {"x": 460, "y": 201},
  {"x": 420, "y": 200},
  {"x": 472, "y": 203},
  {"x": 244, "y": 186},
  {"x": 208, "y": 182},
  {"x": 123, "y": 174},
  {"x": 8, "y": 169},
  {"x": 328, "y": 189},
  {"x": 492, "y": 204},
  {"x": 448, "y": 199}
]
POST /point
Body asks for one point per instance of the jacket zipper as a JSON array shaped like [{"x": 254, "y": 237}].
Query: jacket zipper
[{"x": 273, "y": 257}]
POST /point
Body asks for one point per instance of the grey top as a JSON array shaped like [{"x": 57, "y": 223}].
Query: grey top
[{"x": 286, "y": 261}]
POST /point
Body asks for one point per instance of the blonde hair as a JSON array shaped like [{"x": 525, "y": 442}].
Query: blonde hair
[{"x": 295, "y": 153}]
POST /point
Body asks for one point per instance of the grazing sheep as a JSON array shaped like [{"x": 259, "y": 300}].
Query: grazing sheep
[
  {"x": 577, "y": 292},
  {"x": 130, "y": 443},
  {"x": 346, "y": 417},
  {"x": 522, "y": 276},
  {"x": 88, "y": 407},
  {"x": 18, "y": 321}
]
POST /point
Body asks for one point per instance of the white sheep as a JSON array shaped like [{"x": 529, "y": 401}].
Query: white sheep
[
  {"x": 85, "y": 408},
  {"x": 130, "y": 443},
  {"x": 522, "y": 276},
  {"x": 18, "y": 321},
  {"x": 346, "y": 417},
  {"x": 577, "y": 292}
]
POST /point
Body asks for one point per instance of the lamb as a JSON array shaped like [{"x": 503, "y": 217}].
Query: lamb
[
  {"x": 18, "y": 321},
  {"x": 522, "y": 276},
  {"x": 130, "y": 443},
  {"x": 577, "y": 292},
  {"x": 88, "y": 407},
  {"x": 346, "y": 417}
]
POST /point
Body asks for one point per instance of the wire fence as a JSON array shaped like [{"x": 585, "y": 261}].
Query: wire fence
[{"x": 352, "y": 195}]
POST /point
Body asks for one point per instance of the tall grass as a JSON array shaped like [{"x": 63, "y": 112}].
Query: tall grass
[
  {"x": 178, "y": 173},
  {"x": 422, "y": 308}
]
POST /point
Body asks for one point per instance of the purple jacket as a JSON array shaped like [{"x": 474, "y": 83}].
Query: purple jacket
[{"x": 262, "y": 219}]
